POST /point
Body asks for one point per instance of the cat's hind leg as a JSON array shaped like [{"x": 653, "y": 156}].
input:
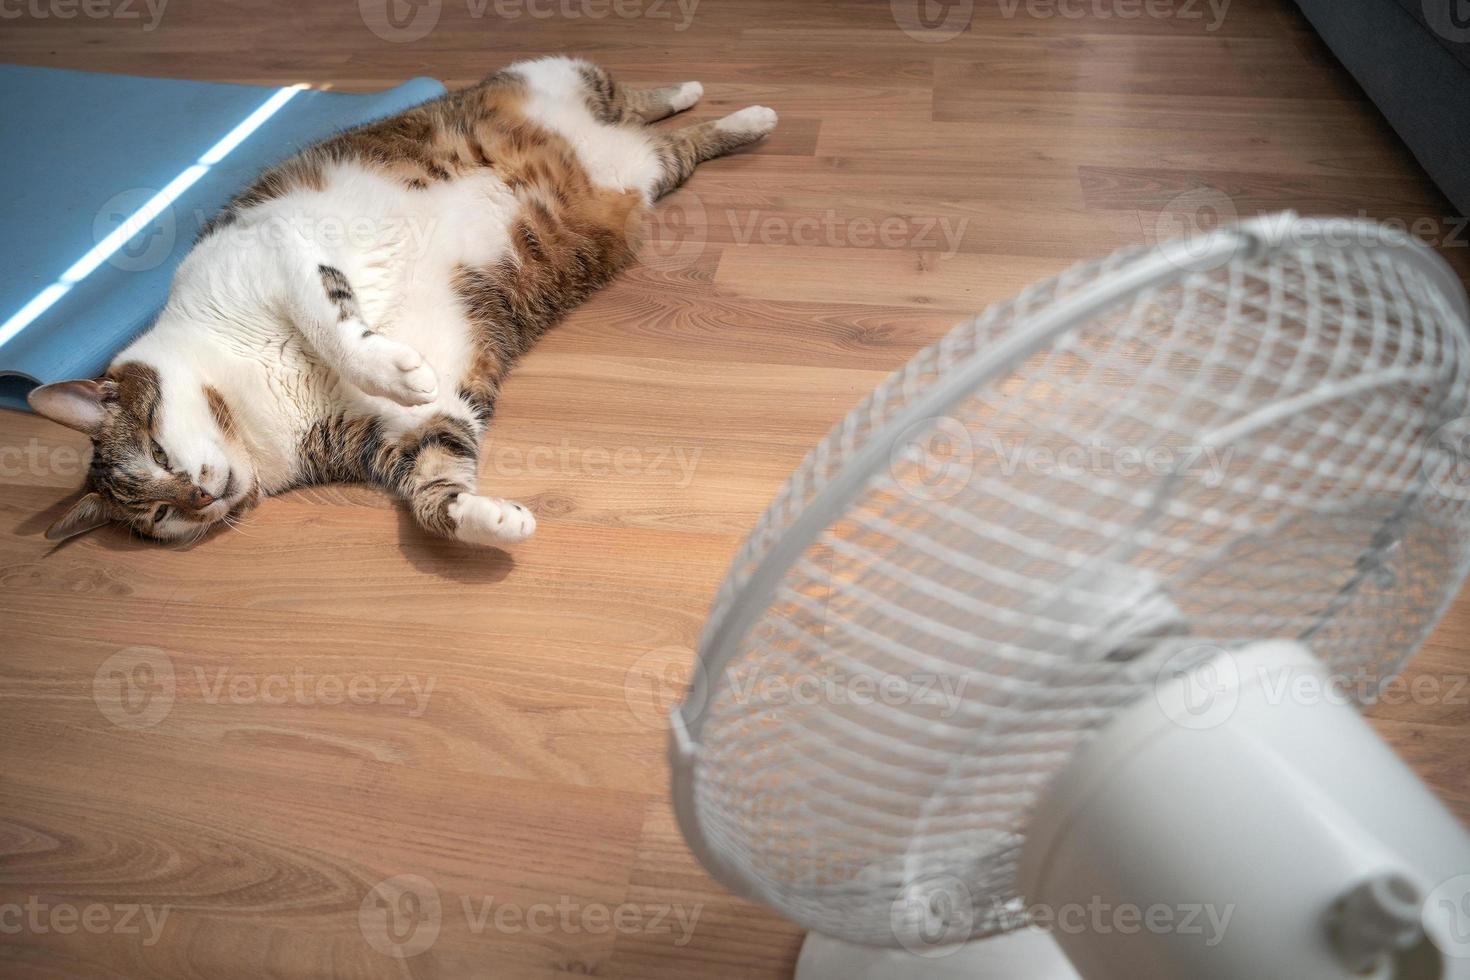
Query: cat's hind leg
[
  {"x": 682, "y": 150},
  {"x": 435, "y": 472},
  {"x": 653, "y": 104},
  {"x": 609, "y": 101},
  {"x": 432, "y": 465}
]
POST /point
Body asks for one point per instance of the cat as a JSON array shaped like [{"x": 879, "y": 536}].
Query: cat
[{"x": 461, "y": 230}]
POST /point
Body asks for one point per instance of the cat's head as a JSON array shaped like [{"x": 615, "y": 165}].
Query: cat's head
[{"x": 166, "y": 457}]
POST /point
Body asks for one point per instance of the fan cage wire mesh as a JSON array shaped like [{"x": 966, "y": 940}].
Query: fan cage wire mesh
[{"x": 938, "y": 654}]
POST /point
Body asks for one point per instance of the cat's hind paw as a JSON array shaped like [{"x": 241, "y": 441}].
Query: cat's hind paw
[
  {"x": 490, "y": 520},
  {"x": 752, "y": 122},
  {"x": 685, "y": 95},
  {"x": 393, "y": 371}
]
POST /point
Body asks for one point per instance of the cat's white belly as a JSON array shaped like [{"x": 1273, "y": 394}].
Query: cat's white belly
[
  {"x": 399, "y": 249},
  {"x": 403, "y": 258}
]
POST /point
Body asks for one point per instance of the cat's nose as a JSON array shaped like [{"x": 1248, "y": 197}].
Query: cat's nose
[{"x": 200, "y": 499}]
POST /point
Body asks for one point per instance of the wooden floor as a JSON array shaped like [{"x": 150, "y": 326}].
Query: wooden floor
[{"x": 350, "y": 702}]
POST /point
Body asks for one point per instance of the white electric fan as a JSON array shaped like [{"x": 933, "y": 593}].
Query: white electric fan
[{"x": 1061, "y": 633}]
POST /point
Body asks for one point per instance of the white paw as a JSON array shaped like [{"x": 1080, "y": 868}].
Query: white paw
[
  {"x": 394, "y": 371},
  {"x": 490, "y": 520},
  {"x": 688, "y": 94},
  {"x": 755, "y": 121}
]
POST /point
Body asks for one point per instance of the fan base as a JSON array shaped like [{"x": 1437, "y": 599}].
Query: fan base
[
  {"x": 1033, "y": 955},
  {"x": 1251, "y": 808}
]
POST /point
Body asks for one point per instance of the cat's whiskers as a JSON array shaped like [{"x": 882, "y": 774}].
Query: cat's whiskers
[{"x": 236, "y": 524}]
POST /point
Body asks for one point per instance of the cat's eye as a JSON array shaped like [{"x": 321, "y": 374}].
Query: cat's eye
[
  {"x": 160, "y": 513},
  {"x": 159, "y": 456}
]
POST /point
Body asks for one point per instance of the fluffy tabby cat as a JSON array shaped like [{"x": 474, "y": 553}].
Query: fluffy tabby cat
[{"x": 287, "y": 356}]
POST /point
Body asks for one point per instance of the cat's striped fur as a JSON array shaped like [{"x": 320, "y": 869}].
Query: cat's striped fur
[{"x": 288, "y": 356}]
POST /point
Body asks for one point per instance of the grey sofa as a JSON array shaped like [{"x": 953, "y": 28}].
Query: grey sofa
[{"x": 1412, "y": 57}]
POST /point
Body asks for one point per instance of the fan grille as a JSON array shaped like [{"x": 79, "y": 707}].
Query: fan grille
[{"x": 1266, "y": 449}]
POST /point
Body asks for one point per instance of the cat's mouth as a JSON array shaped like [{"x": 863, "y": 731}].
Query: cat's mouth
[
  {"x": 225, "y": 500},
  {"x": 216, "y": 511}
]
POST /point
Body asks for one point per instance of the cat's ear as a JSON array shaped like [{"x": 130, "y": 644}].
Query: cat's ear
[
  {"x": 80, "y": 405},
  {"x": 88, "y": 513}
]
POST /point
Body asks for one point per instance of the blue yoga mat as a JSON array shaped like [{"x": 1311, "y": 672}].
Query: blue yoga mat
[{"x": 112, "y": 178}]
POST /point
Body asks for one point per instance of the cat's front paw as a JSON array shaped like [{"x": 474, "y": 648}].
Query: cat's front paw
[
  {"x": 490, "y": 520},
  {"x": 394, "y": 371}
]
